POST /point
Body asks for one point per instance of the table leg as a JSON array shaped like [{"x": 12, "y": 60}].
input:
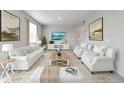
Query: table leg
[
  {"x": 10, "y": 68},
  {"x": 68, "y": 63},
  {"x": 5, "y": 71}
]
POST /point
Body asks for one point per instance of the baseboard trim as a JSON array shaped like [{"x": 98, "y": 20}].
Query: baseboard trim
[{"x": 118, "y": 72}]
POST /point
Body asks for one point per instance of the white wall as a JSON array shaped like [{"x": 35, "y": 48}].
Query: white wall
[
  {"x": 73, "y": 33},
  {"x": 113, "y": 27},
  {"x": 23, "y": 36}
]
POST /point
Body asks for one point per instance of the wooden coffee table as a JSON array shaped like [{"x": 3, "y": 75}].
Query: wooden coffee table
[{"x": 62, "y": 60}]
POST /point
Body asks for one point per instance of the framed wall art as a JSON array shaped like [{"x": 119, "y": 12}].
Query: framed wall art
[
  {"x": 96, "y": 30},
  {"x": 9, "y": 27}
]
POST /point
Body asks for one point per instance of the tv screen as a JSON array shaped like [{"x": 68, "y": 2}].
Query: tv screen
[{"x": 58, "y": 36}]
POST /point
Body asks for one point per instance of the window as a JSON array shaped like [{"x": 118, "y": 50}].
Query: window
[{"x": 32, "y": 33}]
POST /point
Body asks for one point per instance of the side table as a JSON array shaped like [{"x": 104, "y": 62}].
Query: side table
[{"x": 6, "y": 66}]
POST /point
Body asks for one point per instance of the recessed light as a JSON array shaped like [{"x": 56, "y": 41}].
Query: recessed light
[{"x": 59, "y": 18}]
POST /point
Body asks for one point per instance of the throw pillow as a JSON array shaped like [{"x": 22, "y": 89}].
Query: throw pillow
[
  {"x": 100, "y": 50},
  {"x": 89, "y": 47},
  {"x": 29, "y": 50},
  {"x": 83, "y": 45},
  {"x": 19, "y": 52}
]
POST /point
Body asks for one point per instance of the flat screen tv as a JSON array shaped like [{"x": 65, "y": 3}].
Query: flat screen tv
[{"x": 58, "y": 36}]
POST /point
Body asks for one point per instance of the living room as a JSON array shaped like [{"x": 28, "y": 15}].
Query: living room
[
  {"x": 62, "y": 32},
  {"x": 61, "y": 46}
]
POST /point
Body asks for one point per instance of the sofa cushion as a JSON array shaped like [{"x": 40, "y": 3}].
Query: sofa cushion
[
  {"x": 34, "y": 48},
  {"x": 89, "y": 47},
  {"x": 88, "y": 57},
  {"x": 20, "y": 52},
  {"x": 84, "y": 45},
  {"x": 32, "y": 56},
  {"x": 29, "y": 50},
  {"x": 100, "y": 50},
  {"x": 91, "y": 53}
]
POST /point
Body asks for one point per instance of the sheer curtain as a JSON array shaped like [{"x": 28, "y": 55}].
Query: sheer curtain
[{"x": 32, "y": 33}]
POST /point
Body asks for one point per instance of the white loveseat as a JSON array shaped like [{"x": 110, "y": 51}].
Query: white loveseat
[
  {"x": 26, "y": 57},
  {"x": 99, "y": 58}
]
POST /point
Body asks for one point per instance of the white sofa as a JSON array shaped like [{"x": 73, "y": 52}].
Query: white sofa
[
  {"x": 26, "y": 57},
  {"x": 99, "y": 58},
  {"x": 78, "y": 50}
]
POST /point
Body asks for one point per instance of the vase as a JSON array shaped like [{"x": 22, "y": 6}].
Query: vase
[{"x": 59, "y": 53}]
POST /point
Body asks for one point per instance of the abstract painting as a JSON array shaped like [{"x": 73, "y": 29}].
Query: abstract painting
[
  {"x": 96, "y": 30},
  {"x": 10, "y": 27},
  {"x": 58, "y": 36}
]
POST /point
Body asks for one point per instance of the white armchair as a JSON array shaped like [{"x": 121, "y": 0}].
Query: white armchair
[{"x": 97, "y": 62}]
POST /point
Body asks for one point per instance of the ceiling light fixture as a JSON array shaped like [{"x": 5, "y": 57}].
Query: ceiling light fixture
[{"x": 59, "y": 18}]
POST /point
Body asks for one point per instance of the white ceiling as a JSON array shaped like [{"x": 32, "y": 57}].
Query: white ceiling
[{"x": 51, "y": 17}]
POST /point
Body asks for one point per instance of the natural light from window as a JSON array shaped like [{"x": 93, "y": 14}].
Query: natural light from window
[{"x": 32, "y": 33}]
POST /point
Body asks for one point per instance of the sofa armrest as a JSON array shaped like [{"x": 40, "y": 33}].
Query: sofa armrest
[
  {"x": 100, "y": 58},
  {"x": 102, "y": 63},
  {"x": 20, "y": 63},
  {"x": 19, "y": 58}
]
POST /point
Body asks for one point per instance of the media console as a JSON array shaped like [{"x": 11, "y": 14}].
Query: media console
[{"x": 56, "y": 46}]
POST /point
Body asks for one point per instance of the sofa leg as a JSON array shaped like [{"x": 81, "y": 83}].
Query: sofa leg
[
  {"x": 82, "y": 62},
  {"x": 111, "y": 71},
  {"x": 92, "y": 72}
]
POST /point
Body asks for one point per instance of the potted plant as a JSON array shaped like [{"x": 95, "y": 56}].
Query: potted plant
[{"x": 44, "y": 42}]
